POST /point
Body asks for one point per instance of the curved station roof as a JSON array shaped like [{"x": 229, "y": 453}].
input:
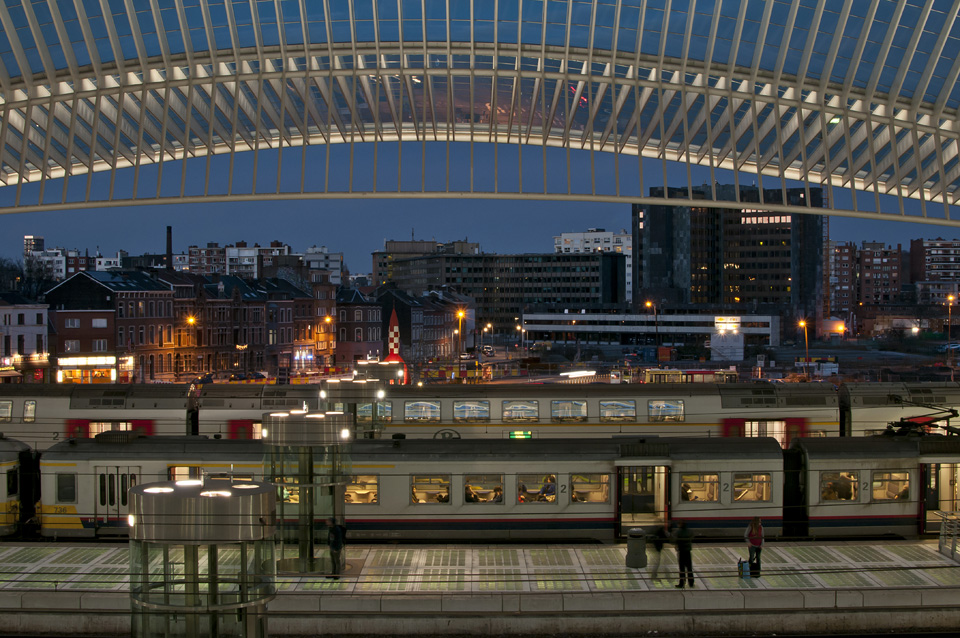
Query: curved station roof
[{"x": 116, "y": 101}]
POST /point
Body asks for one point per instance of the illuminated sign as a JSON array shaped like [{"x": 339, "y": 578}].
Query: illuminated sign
[
  {"x": 520, "y": 434},
  {"x": 87, "y": 361},
  {"x": 726, "y": 323}
]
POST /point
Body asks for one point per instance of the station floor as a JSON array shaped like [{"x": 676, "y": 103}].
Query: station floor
[{"x": 475, "y": 568}]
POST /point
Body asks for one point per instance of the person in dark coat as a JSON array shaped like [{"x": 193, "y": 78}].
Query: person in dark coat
[
  {"x": 336, "y": 539},
  {"x": 683, "y": 538}
]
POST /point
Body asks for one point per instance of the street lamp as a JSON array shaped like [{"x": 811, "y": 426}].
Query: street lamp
[
  {"x": 656, "y": 320},
  {"x": 950, "y": 299},
  {"x": 806, "y": 346},
  {"x": 460, "y": 315}
]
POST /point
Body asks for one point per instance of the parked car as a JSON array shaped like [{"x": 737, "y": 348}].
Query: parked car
[{"x": 487, "y": 350}]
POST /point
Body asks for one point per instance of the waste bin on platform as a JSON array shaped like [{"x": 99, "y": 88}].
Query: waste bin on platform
[{"x": 636, "y": 548}]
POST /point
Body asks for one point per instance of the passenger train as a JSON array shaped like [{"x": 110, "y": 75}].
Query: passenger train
[
  {"x": 561, "y": 489},
  {"x": 42, "y": 415}
]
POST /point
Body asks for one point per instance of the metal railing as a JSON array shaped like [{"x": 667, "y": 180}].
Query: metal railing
[{"x": 949, "y": 533}]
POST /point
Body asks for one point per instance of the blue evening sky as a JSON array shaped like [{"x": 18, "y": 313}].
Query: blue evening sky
[{"x": 358, "y": 227}]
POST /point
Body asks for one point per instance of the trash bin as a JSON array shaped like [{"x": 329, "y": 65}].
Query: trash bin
[{"x": 636, "y": 548}]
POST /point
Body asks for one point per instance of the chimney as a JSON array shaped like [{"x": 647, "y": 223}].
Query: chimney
[{"x": 169, "y": 247}]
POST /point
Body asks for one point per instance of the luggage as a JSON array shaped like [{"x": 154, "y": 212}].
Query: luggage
[
  {"x": 755, "y": 569},
  {"x": 743, "y": 569}
]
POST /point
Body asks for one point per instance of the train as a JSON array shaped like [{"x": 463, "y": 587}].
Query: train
[
  {"x": 43, "y": 415},
  {"x": 538, "y": 489}
]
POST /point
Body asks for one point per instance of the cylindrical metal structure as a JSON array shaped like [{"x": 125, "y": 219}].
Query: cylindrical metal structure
[
  {"x": 202, "y": 558},
  {"x": 305, "y": 462}
]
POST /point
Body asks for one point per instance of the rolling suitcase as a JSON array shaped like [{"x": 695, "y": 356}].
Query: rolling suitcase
[
  {"x": 755, "y": 569},
  {"x": 743, "y": 569}
]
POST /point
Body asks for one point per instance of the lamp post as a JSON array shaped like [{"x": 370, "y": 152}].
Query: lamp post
[
  {"x": 806, "y": 347},
  {"x": 950, "y": 299},
  {"x": 656, "y": 320},
  {"x": 460, "y": 315}
]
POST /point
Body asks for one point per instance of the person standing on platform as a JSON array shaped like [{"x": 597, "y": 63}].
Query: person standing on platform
[
  {"x": 683, "y": 538},
  {"x": 754, "y": 538},
  {"x": 657, "y": 539},
  {"x": 336, "y": 539}
]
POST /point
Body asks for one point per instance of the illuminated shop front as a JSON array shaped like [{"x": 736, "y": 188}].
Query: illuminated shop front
[{"x": 87, "y": 370}]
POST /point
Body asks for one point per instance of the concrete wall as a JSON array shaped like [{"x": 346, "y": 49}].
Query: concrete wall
[{"x": 821, "y": 611}]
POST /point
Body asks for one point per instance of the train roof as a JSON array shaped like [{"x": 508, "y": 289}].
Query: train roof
[
  {"x": 605, "y": 448},
  {"x": 134, "y": 445},
  {"x": 10, "y": 447},
  {"x": 882, "y": 394},
  {"x": 867, "y": 447}
]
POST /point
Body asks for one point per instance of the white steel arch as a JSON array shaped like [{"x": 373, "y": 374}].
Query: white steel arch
[{"x": 110, "y": 102}]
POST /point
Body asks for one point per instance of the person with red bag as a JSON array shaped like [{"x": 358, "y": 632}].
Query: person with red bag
[{"x": 754, "y": 538}]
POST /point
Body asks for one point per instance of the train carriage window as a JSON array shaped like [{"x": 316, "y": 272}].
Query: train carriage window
[
  {"x": 750, "y": 486},
  {"x": 483, "y": 488},
  {"x": 421, "y": 411},
  {"x": 13, "y": 482},
  {"x": 98, "y": 427},
  {"x": 362, "y": 489},
  {"x": 838, "y": 486},
  {"x": 568, "y": 410},
  {"x": 773, "y": 429},
  {"x": 891, "y": 486},
  {"x": 66, "y": 488},
  {"x": 184, "y": 473},
  {"x": 521, "y": 411},
  {"x": 700, "y": 487},
  {"x": 102, "y": 488},
  {"x": 112, "y": 489},
  {"x": 471, "y": 411},
  {"x": 29, "y": 411},
  {"x": 611, "y": 411},
  {"x": 537, "y": 488},
  {"x": 384, "y": 412},
  {"x": 6, "y": 411},
  {"x": 430, "y": 488},
  {"x": 665, "y": 410},
  {"x": 589, "y": 488}
]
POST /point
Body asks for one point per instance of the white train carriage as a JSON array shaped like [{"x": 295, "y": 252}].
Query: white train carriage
[
  {"x": 418, "y": 489},
  {"x": 867, "y": 408},
  {"x": 11, "y": 488},
  {"x": 782, "y": 411},
  {"x": 493, "y": 489},
  {"x": 716, "y": 485},
  {"x": 84, "y": 482},
  {"x": 858, "y": 486}
]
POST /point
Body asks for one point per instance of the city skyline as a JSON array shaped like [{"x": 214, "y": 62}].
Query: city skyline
[{"x": 359, "y": 227}]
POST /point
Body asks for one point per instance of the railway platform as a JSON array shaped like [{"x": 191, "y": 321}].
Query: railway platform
[{"x": 386, "y": 589}]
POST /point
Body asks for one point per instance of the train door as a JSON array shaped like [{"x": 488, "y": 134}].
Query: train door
[
  {"x": 110, "y": 499},
  {"x": 940, "y": 493},
  {"x": 642, "y": 493}
]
